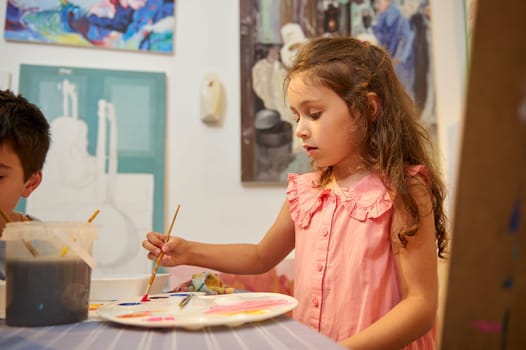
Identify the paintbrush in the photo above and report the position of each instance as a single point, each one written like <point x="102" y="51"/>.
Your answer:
<point x="185" y="300"/>
<point x="28" y="245"/>
<point x="93" y="216"/>
<point x="158" y="261"/>
<point x="65" y="249"/>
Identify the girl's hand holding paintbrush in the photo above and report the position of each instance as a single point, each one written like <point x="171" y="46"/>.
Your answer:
<point x="172" y="250"/>
<point x="239" y="258"/>
<point x="158" y="259"/>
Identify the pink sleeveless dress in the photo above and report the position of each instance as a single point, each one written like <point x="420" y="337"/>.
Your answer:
<point x="345" y="275"/>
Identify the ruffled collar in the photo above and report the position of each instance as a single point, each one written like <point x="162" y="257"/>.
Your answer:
<point x="366" y="199"/>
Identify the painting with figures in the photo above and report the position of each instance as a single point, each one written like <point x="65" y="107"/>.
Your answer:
<point x="272" y="30"/>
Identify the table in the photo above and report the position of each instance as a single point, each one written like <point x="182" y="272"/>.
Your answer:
<point x="277" y="333"/>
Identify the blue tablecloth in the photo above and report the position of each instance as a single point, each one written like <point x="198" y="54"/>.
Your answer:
<point x="277" y="333"/>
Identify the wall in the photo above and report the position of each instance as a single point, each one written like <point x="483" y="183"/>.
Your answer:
<point x="203" y="163"/>
<point x="450" y="64"/>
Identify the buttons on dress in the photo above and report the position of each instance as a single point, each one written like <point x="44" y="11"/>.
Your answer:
<point x="319" y="267"/>
<point x="315" y="301"/>
<point x="324" y="233"/>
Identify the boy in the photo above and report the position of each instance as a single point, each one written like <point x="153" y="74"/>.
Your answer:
<point x="24" y="142"/>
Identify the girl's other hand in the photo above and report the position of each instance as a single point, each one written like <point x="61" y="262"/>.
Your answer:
<point x="173" y="250"/>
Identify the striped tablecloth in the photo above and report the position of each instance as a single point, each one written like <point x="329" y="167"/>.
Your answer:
<point x="277" y="333"/>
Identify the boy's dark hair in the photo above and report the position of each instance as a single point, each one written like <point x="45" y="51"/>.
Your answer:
<point x="25" y="129"/>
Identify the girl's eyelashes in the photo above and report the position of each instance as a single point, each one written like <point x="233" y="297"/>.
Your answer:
<point x="295" y="116"/>
<point x="312" y="116"/>
<point x="315" y="115"/>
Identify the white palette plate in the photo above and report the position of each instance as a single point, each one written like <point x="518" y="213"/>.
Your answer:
<point x="201" y="311"/>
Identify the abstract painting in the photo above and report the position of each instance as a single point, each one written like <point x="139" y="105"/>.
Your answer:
<point x="146" y="25"/>
<point x="107" y="153"/>
<point x="272" y="30"/>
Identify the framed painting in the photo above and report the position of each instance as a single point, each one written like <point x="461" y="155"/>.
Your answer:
<point x="271" y="31"/>
<point x="146" y="25"/>
<point x="107" y="153"/>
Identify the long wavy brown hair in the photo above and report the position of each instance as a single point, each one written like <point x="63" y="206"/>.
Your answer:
<point x="393" y="138"/>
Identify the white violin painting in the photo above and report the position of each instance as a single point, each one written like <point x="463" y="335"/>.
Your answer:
<point x="77" y="182"/>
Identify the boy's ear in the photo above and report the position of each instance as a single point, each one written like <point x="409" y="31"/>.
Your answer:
<point x="32" y="183"/>
<point x="374" y="104"/>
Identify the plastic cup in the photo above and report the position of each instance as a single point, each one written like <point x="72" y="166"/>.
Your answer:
<point x="48" y="272"/>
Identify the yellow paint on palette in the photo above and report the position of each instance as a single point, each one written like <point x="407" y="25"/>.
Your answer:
<point x="63" y="251"/>
<point x="93" y="307"/>
<point x="245" y="312"/>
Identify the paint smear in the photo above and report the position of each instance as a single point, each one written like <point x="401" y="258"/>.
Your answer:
<point x="136" y="314"/>
<point x="508" y="284"/>
<point x="93" y="307"/>
<point x="487" y="327"/>
<point x="247" y="306"/>
<point x="130" y="303"/>
<point x="160" y="319"/>
<point x="515" y="218"/>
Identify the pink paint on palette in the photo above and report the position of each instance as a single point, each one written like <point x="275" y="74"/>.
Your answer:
<point x="160" y="319"/>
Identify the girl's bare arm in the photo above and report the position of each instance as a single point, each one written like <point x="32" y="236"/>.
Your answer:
<point x="238" y="258"/>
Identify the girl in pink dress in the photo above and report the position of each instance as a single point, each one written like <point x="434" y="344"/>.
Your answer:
<point x="368" y="224"/>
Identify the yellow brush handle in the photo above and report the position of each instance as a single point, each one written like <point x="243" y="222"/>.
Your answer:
<point x="64" y="250"/>
<point x="154" y="273"/>
<point x="158" y="261"/>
